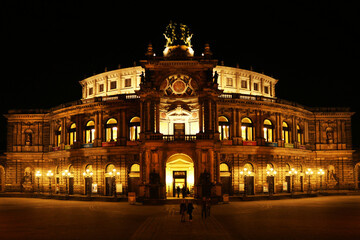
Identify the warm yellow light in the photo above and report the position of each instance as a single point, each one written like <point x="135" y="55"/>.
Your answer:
<point x="38" y="174"/>
<point x="321" y="172"/>
<point x="309" y="171"/>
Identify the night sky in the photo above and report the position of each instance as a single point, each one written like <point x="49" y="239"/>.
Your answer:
<point x="311" y="48"/>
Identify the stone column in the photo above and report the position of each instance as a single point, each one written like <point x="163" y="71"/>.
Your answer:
<point x="211" y="158"/>
<point x="157" y="116"/>
<point x="201" y="118"/>
<point x="216" y="117"/>
<point x="123" y="127"/>
<point x="210" y="115"/>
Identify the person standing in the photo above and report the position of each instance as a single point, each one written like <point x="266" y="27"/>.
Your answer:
<point x="203" y="208"/>
<point x="208" y="206"/>
<point x="183" y="191"/>
<point x="190" y="208"/>
<point x="182" y="210"/>
<point x="178" y="191"/>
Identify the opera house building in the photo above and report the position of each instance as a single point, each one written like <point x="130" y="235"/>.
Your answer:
<point x="178" y="120"/>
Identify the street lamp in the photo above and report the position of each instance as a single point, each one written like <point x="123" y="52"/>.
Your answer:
<point x="271" y="174"/>
<point x="66" y="175"/>
<point x="50" y="175"/>
<point x="88" y="179"/>
<point x="245" y="172"/>
<point x="321" y="173"/>
<point x="292" y="173"/>
<point x="309" y="172"/>
<point x="38" y="175"/>
<point x="113" y="175"/>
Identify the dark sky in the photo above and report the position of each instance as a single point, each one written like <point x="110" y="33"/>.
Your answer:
<point x="48" y="47"/>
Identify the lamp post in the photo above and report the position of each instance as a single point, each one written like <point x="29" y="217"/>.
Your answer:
<point x="88" y="176"/>
<point x="292" y="173"/>
<point x="271" y="174"/>
<point x="321" y="173"/>
<point x="50" y="175"/>
<point x="38" y="175"/>
<point x="245" y="172"/>
<point x="66" y="175"/>
<point x="309" y="172"/>
<point x="113" y="175"/>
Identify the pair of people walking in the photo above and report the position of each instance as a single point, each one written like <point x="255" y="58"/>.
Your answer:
<point x="186" y="207"/>
<point x="184" y="191"/>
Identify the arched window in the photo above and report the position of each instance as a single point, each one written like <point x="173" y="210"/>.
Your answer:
<point x="224" y="167"/>
<point x="90" y="132"/>
<point x="109" y="170"/>
<point x="111" y="130"/>
<point x="285" y="133"/>
<point x="72" y="134"/>
<point x="268" y="131"/>
<point x="58" y="137"/>
<point x="247" y="129"/>
<point x="224" y="170"/>
<point x="249" y="167"/>
<point x="134" y="130"/>
<point x="134" y="170"/>
<point x="224" y="128"/>
<point x="300" y="135"/>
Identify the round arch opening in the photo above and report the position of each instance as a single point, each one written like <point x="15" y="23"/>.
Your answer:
<point x="179" y="173"/>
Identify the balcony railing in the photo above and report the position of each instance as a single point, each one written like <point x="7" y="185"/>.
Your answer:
<point x="172" y="138"/>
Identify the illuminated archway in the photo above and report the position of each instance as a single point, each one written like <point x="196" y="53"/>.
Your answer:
<point x="179" y="172"/>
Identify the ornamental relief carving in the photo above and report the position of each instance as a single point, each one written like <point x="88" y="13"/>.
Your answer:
<point x="179" y="85"/>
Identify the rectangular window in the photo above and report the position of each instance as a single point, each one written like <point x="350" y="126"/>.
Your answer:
<point x="256" y="86"/>
<point x="113" y="85"/>
<point x="229" y="82"/>
<point x="266" y="90"/>
<point x="101" y="87"/>
<point x="243" y="84"/>
<point x="128" y="82"/>
<point x="91" y="91"/>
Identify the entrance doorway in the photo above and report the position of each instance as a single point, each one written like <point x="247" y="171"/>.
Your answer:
<point x="71" y="185"/>
<point x="2" y="179"/>
<point x="179" y="173"/>
<point x="179" y="182"/>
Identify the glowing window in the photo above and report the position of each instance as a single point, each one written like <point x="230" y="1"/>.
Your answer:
<point x="90" y="132"/>
<point x="135" y="168"/>
<point x="111" y="130"/>
<point x="285" y="133"/>
<point x="58" y="137"/>
<point x="224" y="167"/>
<point x="247" y="129"/>
<point x="300" y="134"/>
<point x="224" y="128"/>
<point x="268" y="130"/>
<point x="72" y="134"/>
<point x="134" y="129"/>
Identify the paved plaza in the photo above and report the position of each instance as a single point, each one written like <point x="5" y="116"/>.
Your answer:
<point x="312" y="218"/>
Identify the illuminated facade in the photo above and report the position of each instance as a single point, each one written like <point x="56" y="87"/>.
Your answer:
<point x="178" y="120"/>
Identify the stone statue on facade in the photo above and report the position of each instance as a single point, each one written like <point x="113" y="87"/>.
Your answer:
<point x="177" y="34"/>
<point x="216" y="76"/>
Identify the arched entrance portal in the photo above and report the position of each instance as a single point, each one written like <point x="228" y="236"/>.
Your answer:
<point x="179" y="173"/>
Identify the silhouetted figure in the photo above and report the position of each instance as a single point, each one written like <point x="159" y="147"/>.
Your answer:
<point x="183" y="191"/>
<point x="216" y="76"/>
<point x="190" y="208"/>
<point x="178" y="191"/>
<point x="203" y="208"/>
<point x="182" y="210"/>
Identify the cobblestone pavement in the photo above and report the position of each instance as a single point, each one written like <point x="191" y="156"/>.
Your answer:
<point x="313" y="218"/>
